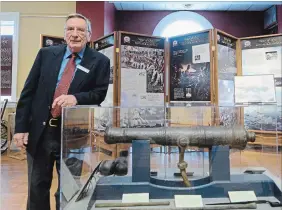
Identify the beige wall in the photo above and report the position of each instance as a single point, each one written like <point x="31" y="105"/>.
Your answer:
<point x="36" y="18"/>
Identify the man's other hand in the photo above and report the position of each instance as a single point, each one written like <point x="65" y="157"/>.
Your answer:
<point x="21" y="139"/>
<point x="65" y="101"/>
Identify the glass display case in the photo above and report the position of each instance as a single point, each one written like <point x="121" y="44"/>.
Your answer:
<point x="203" y="157"/>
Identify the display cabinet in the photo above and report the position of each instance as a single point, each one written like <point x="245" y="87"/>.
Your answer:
<point x="170" y="157"/>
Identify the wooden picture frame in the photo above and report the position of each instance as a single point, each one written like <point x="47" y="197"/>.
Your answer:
<point x="99" y="44"/>
<point x="51" y="40"/>
<point x="231" y="42"/>
<point x="158" y="41"/>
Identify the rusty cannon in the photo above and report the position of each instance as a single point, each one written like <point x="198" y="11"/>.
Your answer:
<point x="214" y="181"/>
<point x="201" y="136"/>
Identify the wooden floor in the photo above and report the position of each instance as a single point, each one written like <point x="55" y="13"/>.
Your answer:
<point x="14" y="172"/>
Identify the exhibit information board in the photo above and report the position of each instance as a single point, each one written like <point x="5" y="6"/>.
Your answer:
<point x="190" y="75"/>
<point x="261" y="56"/>
<point x="141" y="79"/>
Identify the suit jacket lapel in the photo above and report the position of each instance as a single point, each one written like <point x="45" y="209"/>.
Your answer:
<point x="87" y="62"/>
<point x="54" y="72"/>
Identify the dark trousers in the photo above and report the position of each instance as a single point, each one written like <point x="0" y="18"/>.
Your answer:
<point x="40" y="170"/>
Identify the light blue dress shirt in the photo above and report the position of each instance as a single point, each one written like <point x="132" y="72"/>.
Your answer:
<point x="66" y="59"/>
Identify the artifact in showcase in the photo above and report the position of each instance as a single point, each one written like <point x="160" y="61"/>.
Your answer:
<point x="118" y="167"/>
<point x="200" y="136"/>
<point x="220" y="179"/>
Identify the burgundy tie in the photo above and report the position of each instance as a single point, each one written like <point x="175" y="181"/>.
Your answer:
<point x="64" y="84"/>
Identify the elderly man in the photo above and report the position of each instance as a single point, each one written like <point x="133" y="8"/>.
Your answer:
<point x="61" y="76"/>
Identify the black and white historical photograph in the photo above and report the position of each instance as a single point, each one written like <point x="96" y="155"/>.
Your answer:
<point x="150" y="60"/>
<point x="265" y="118"/>
<point x="271" y="55"/>
<point x="226" y="60"/>
<point x="48" y="41"/>
<point x="226" y="54"/>
<point x="229" y="116"/>
<point x="103" y="118"/>
<point x="226" y="92"/>
<point x="278" y="81"/>
<point x="255" y="89"/>
<point x="6" y="64"/>
<point x="144" y="117"/>
<point x="189" y="82"/>
<point x="190" y="68"/>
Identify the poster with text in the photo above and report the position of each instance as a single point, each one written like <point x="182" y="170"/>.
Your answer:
<point x="262" y="56"/>
<point x="6" y="64"/>
<point x="106" y="46"/>
<point x="142" y="79"/>
<point x="189" y="74"/>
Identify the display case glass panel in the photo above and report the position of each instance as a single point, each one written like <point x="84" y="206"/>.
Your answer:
<point x="150" y="157"/>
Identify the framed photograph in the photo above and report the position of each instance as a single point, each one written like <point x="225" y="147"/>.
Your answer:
<point x="6" y="65"/>
<point x="48" y="40"/>
<point x="255" y="89"/>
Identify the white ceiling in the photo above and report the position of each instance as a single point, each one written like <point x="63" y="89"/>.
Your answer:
<point x="204" y="6"/>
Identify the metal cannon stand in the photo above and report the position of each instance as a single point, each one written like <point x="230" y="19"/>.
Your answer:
<point x="215" y="185"/>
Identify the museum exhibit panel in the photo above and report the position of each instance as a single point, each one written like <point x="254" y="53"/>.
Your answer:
<point x="197" y="146"/>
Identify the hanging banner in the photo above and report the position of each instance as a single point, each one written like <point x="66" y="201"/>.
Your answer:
<point x="6" y="64"/>
<point x="190" y="76"/>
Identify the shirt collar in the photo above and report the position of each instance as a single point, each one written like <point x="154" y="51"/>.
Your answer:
<point x="68" y="53"/>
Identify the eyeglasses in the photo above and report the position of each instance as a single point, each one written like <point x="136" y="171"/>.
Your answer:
<point x="80" y="31"/>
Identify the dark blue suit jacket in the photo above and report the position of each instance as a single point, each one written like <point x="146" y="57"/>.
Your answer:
<point x="34" y="105"/>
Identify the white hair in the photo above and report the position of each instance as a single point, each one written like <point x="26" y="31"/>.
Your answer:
<point x="77" y="15"/>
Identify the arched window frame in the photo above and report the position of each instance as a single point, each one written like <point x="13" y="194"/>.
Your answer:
<point x="168" y="20"/>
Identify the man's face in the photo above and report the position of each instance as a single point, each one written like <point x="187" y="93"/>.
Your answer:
<point x="76" y="34"/>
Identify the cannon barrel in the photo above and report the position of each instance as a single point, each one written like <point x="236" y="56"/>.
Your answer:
<point x="199" y="136"/>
